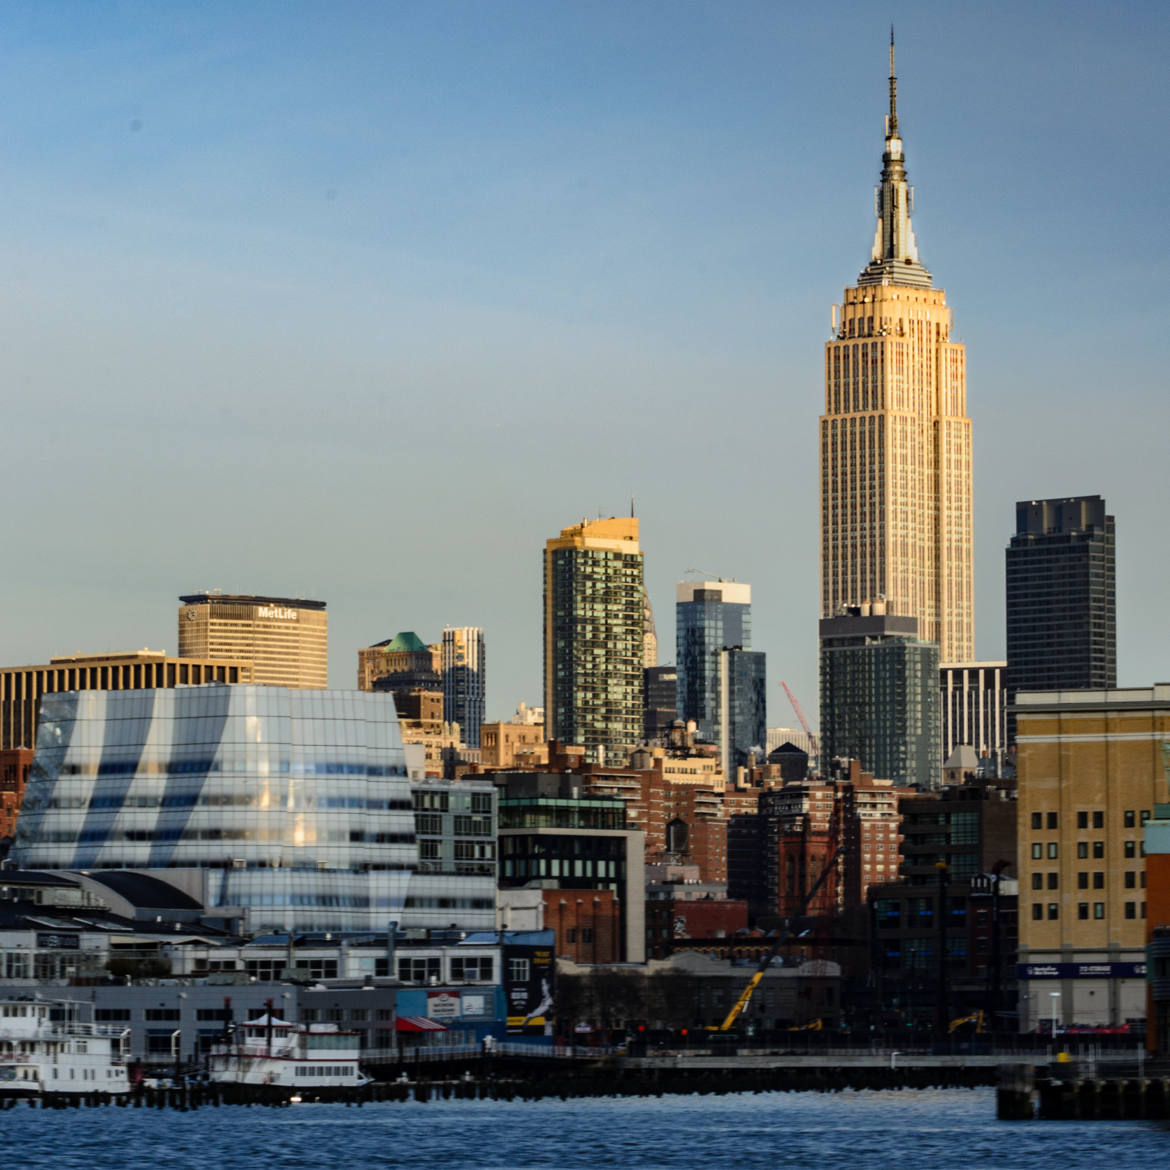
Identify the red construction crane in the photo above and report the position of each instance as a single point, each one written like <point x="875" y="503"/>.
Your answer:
<point x="812" y="739"/>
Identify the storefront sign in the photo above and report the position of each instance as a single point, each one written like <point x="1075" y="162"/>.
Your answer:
<point x="442" y="1005"/>
<point x="59" y="942"/>
<point x="1081" y="970"/>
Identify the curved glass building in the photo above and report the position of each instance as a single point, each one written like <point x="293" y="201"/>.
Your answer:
<point x="294" y="805"/>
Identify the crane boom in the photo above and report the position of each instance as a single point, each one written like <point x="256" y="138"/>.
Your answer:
<point x="786" y="937"/>
<point x="812" y="739"/>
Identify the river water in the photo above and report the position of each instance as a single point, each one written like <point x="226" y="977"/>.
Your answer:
<point x="909" y="1130"/>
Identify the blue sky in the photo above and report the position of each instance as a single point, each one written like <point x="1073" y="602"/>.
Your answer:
<point x="363" y="301"/>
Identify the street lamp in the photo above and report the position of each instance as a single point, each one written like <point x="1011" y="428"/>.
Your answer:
<point x="1055" y="997"/>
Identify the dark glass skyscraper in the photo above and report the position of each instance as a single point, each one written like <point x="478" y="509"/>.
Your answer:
<point x="743" y="717"/>
<point x="1061" y="598"/>
<point x="713" y="617"/>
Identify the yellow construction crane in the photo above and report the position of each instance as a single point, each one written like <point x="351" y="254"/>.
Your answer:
<point x="781" y="940"/>
<point x="975" y="1018"/>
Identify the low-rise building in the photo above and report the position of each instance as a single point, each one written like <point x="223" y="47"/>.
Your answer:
<point x="1090" y="774"/>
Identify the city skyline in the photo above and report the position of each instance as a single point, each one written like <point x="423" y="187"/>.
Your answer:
<point x="258" y="259"/>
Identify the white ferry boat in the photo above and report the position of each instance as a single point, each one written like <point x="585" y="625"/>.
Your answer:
<point x="46" y="1046"/>
<point x="272" y="1051"/>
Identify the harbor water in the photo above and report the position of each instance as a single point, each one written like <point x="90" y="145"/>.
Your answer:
<point x="912" y="1130"/>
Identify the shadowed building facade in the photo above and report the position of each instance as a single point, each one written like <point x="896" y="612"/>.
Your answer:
<point x="880" y="697"/>
<point x="895" y="439"/>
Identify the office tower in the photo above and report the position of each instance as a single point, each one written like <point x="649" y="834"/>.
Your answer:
<point x="463" y="667"/>
<point x="974" y="712"/>
<point x="743" y="721"/>
<point x="594" y="628"/>
<point x="1089" y="774"/>
<point x="406" y="654"/>
<point x="285" y="638"/>
<point x="710" y="616"/>
<point x="880" y="696"/>
<point x="1061" y="598"/>
<point x="23" y="687"/>
<point x="287" y="806"/>
<point x="895" y="440"/>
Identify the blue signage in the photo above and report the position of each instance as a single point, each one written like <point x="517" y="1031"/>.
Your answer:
<point x="1081" y="970"/>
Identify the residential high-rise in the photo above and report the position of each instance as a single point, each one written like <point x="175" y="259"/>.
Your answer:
<point x="285" y="638"/>
<point x="594" y="627"/>
<point x="1061" y="598"/>
<point x="895" y="439"/>
<point x="463" y="667"/>
<point x="880" y="696"/>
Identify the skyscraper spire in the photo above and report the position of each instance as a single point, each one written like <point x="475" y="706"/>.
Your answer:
<point x="892" y="124"/>
<point x="894" y="259"/>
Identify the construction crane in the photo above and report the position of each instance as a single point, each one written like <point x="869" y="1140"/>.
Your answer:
<point x="781" y="940"/>
<point x="975" y="1018"/>
<point x="812" y="739"/>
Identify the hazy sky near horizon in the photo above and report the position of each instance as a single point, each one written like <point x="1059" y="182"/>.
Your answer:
<point x="363" y="301"/>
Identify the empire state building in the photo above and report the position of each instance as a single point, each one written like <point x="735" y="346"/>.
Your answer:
<point x="895" y="456"/>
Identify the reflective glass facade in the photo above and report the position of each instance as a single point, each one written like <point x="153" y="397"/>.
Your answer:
<point x="295" y="803"/>
<point x="710" y="616"/>
<point x="743" y="682"/>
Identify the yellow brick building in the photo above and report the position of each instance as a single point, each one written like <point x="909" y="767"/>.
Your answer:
<point x="1090" y="771"/>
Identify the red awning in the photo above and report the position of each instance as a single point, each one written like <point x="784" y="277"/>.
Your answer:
<point x="419" y="1024"/>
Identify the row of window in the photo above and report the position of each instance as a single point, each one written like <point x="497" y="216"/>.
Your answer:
<point x="1132" y="879"/>
<point x="1051" y="850"/>
<point x="1051" y="820"/>
<point x="1053" y="910"/>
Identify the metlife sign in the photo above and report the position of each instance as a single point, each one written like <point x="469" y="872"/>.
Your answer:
<point x="278" y="612"/>
<point x="1080" y="970"/>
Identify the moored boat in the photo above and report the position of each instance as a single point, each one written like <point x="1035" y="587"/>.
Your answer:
<point x="49" y="1046"/>
<point x="270" y="1051"/>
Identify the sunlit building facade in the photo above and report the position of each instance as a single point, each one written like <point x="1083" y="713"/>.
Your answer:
<point x="594" y="637"/>
<point x="285" y="638"/>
